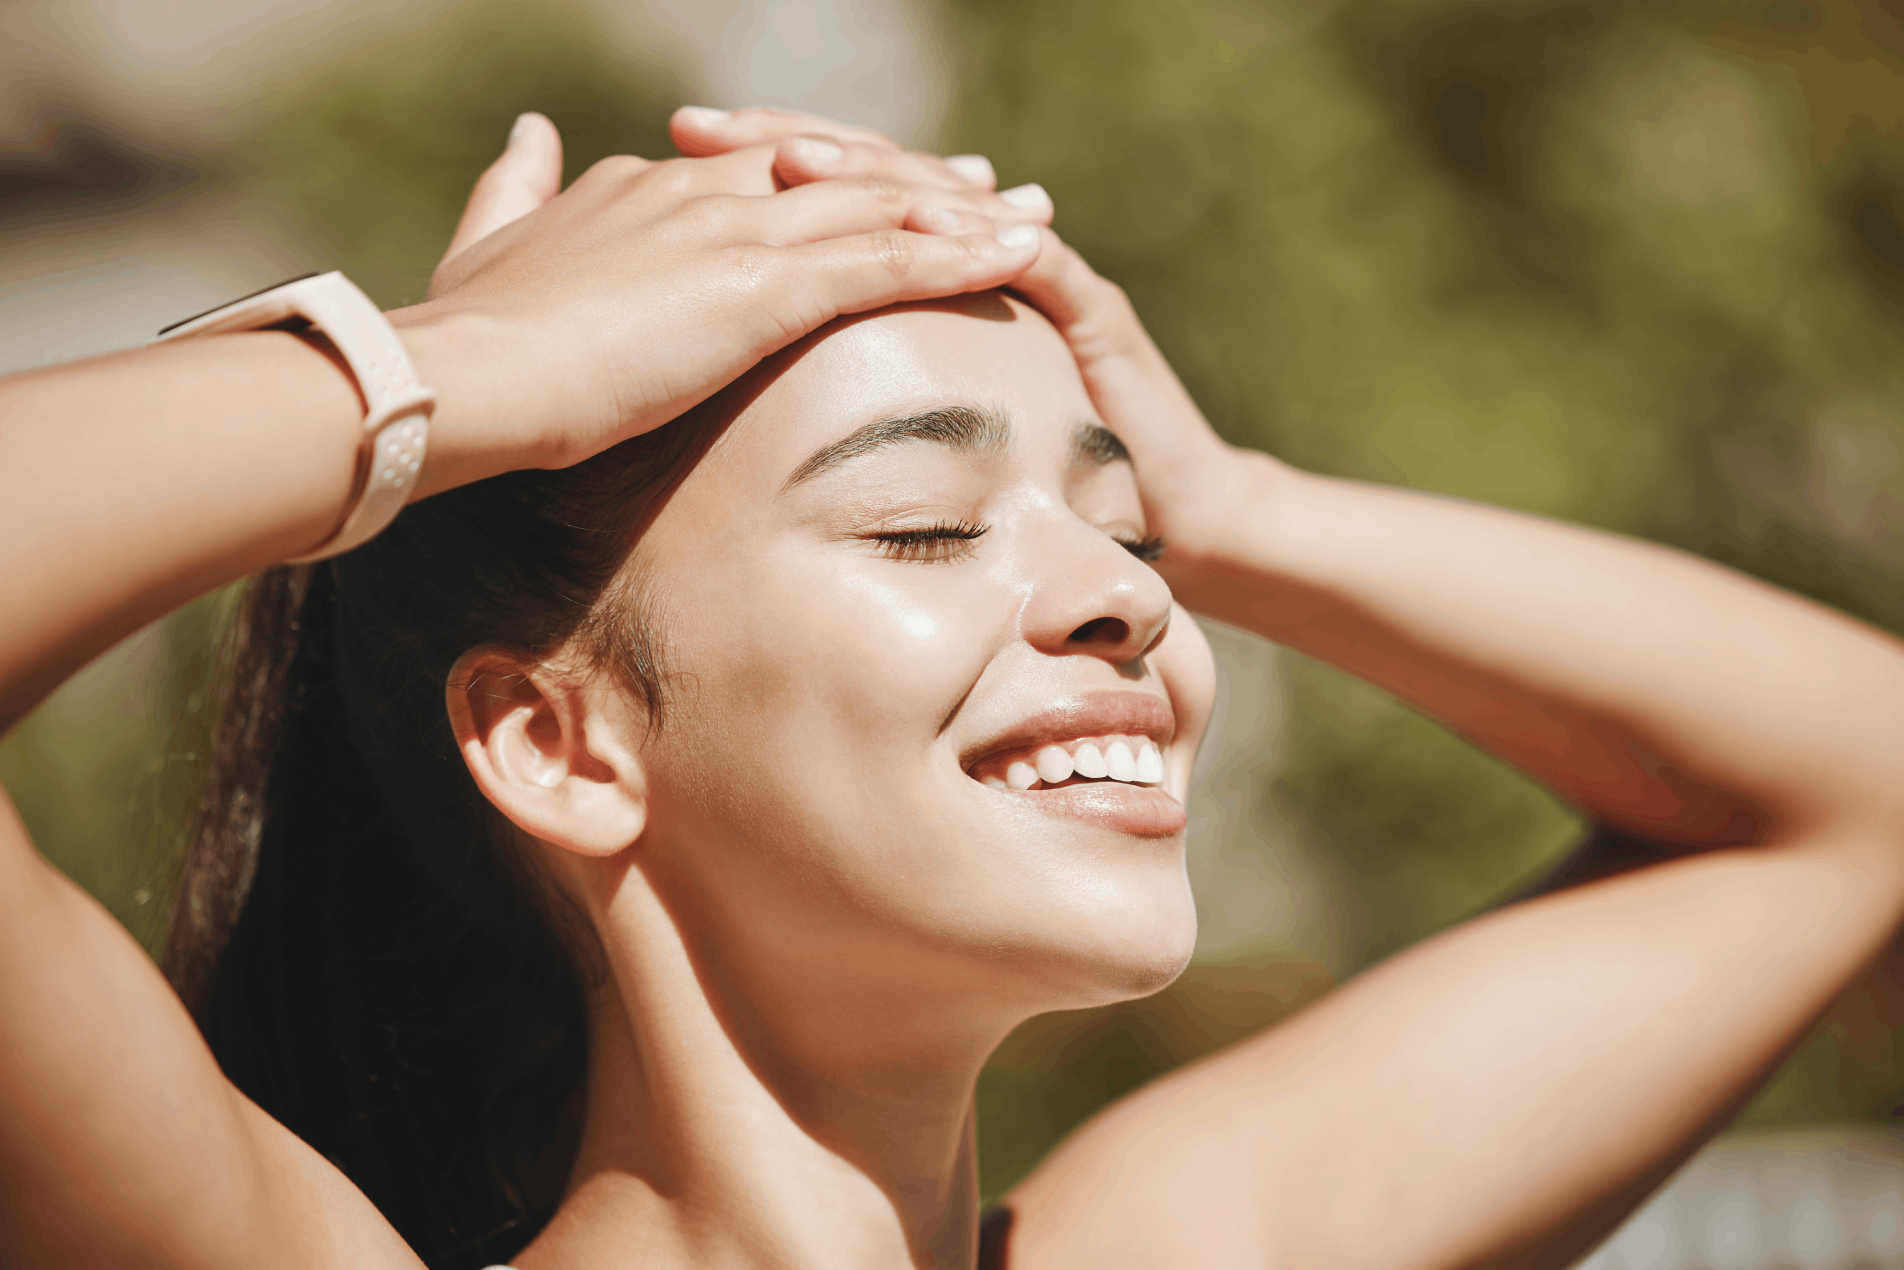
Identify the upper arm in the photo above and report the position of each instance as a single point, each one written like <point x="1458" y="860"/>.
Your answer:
<point x="121" y="1142"/>
<point x="1509" y="1089"/>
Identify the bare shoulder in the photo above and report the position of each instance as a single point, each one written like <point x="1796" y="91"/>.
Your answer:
<point x="333" y="1222"/>
<point x="121" y="1141"/>
<point x="1180" y="1172"/>
<point x="1464" y="1090"/>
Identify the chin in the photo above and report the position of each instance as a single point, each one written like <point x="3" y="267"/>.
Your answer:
<point x="1155" y="964"/>
<point x="1122" y="955"/>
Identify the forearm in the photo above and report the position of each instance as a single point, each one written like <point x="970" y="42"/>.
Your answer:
<point x="131" y="483"/>
<point x="1652" y="689"/>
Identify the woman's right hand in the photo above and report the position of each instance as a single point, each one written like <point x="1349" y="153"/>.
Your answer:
<point x="560" y="324"/>
<point x="1193" y="484"/>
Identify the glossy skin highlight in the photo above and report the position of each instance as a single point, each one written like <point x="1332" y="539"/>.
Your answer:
<point x="834" y="689"/>
<point x="815" y="920"/>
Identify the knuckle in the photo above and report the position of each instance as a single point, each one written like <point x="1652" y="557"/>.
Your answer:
<point x="711" y="215"/>
<point x="752" y="264"/>
<point x="616" y="169"/>
<point x="896" y="251"/>
<point x="883" y="189"/>
<point x="679" y="174"/>
<point x="670" y="176"/>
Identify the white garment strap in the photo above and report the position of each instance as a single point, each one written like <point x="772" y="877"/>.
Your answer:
<point x="397" y="427"/>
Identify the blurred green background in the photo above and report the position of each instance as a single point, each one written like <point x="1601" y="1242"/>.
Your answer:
<point x="1635" y="264"/>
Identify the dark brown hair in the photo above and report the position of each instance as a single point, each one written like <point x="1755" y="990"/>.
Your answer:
<point x="368" y="957"/>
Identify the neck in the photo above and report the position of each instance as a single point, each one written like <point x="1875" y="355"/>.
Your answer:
<point x="760" y="1120"/>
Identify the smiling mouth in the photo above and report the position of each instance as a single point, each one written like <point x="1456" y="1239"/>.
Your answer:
<point x="1129" y="760"/>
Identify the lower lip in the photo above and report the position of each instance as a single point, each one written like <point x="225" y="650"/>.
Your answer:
<point x="1143" y="811"/>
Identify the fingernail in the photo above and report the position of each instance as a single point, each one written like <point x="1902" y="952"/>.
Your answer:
<point x="706" y="116"/>
<point x="519" y="129"/>
<point x="1028" y="196"/>
<point x="975" y="168"/>
<point x="1018" y="237"/>
<point x="814" y="150"/>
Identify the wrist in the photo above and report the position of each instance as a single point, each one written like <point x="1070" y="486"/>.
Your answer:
<point x="1208" y="509"/>
<point x="486" y="420"/>
<point x="1221" y="549"/>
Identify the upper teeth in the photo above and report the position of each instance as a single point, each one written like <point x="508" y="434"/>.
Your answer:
<point x="1053" y="765"/>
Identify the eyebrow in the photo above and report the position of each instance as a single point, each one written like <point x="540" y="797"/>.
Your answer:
<point x="969" y="428"/>
<point x="1095" y="444"/>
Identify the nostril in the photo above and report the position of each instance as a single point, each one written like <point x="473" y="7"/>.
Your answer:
<point x="1102" y="630"/>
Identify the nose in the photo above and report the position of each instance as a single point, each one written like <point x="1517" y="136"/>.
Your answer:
<point x="1095" y="598"/>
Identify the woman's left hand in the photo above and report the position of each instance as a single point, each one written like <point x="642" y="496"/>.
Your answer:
<point x="1191" y="480"/>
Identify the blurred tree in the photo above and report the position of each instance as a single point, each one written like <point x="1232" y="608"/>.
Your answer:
<point x="1632" y="263"/>
<point x="373" y="159"/>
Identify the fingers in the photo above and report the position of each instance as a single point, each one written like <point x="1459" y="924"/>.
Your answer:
<point x="802" y="160"/>
<point x="869" y="271"/>
<point x="1091" y="312"/>
<point x="745" y="171"/>
<point x="1065" y="289"/>
<point x="702" y="130"/>
<point x="526" y="175"/>
<point x="937" y="218"/>
<point x="975" y="168"/>
<point x="1054" y="281"/>
<point x="806" y="157"/>
<point x="837" y="209"/>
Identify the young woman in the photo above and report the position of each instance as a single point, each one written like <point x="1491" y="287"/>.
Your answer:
<point x="635" y="851"/>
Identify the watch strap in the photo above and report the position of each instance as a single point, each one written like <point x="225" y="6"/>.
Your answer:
<point x="397" y="422"/>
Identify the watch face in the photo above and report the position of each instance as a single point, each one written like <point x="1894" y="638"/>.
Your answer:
<point x="240" y="300"/>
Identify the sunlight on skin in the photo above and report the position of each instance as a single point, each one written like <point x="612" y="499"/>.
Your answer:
<point x="827" y="922"/>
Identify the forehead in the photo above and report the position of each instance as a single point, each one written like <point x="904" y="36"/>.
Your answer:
<point x="986" y="351"/>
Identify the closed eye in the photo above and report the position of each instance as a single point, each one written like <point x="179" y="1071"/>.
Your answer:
<point x="1149" y="550"/>
<point x="935" y="544"/>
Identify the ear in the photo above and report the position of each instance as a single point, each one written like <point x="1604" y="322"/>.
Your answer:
<point x="553" y="752"/>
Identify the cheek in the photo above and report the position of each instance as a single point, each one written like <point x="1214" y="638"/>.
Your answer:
<point x="884" y="650"/>
<point x="802" y="776"/>
<point x="840" y="665"/>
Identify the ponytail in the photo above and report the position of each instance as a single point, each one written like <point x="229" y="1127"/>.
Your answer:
<point x="366" y="952"/>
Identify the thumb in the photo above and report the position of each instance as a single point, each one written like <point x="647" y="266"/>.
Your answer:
<point x="526" y="175"/>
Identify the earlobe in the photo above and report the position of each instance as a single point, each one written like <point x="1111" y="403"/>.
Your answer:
<point x="547" y="751"/>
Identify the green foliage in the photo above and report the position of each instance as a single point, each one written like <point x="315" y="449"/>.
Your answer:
<point x="373" y="159"/>
<point x="105" y="774"/>
<point x="1637" y="264"/>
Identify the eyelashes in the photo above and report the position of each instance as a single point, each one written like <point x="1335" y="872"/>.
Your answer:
<point x="937" y="544"/>
<point x="1149" y="550"/>
<point x="934" y="544"/>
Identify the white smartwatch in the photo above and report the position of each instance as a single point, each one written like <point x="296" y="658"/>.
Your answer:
<point x="397" y="429"/>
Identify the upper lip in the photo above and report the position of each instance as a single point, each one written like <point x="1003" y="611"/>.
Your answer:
<point x="1088" y="714"/>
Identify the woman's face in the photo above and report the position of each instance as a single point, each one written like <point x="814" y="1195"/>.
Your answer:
<point x="899" y="587"/>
